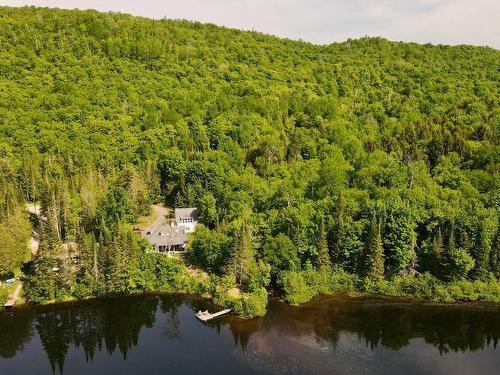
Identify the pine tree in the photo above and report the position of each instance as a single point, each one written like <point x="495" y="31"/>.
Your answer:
<point x="324" y="261"/>
<point x="495" y="253"/>
<point x="42" y="281"/>
<point x="339" y="231"/>
<point x="451" y="239"/>
<point x="375" y="253"/>
<point x="437" y="254"/>
<point x="49" y="241"/>
<point x="242" y="256"/>
<point x="179" y="200"/>
<point x="458" y="262"/>
<point x="447" y="259"/>
<point x="483" y="252"/>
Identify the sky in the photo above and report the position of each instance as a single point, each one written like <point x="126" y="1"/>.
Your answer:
<point x="475" y="22"/>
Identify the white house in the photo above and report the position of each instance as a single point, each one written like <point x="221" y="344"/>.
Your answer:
<point x="186" y="218"/>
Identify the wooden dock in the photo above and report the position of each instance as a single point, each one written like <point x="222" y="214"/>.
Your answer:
<point x="11" y="302"/>
<point x="205" y="315"/>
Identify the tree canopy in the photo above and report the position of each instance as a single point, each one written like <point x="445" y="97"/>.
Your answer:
<point x="379" y="157"/>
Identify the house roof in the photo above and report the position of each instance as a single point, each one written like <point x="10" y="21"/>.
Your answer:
<point x="165" y="235"/>
<point x="185" y="213"/>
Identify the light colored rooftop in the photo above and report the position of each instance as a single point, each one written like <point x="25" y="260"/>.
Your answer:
<point x="166" y="235"/>
<point x="185" y="213"/>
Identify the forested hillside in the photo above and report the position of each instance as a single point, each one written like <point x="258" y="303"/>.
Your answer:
<point x="366" y="160"/>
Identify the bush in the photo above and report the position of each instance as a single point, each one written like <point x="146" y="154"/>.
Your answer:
<point x="247" y="305"/>
<point x="219" y="287"/>
<point x="428" y="287"/>
<point x="295" y="289"/>
<point x="252" y="305"/>
<point x="196" y="285"/>
<point x="300" y="286"/>
<point x="342" y="281"/>
<point x="169" y="274"/>
<point x="465" y="290"/>
<point x="461" y="263"/>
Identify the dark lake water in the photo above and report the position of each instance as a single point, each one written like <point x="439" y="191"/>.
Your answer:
<point x="336" y="334"/>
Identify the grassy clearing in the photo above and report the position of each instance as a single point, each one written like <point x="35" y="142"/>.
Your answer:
<point x="147" y="221"/>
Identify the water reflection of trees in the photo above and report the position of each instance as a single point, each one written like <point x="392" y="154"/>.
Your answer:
<point x="448" y="328"/>
<point x="169" y="306"/>
<point x="115" y="325"/>
<point x="91" y="327"/>
<point x="14" y="334"/>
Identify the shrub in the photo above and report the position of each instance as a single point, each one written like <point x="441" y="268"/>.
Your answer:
<point x="219" y="288"/>
<point x="342" y="281"/>
<point x="253" y="304"/>
<point x="295" y="288"/>
<point x="300" y="286"/>
<point x="169" y="274"/>
<point x="460" y="263"/>
<point x="196" y="285"/>
<point x="380" y="287"/>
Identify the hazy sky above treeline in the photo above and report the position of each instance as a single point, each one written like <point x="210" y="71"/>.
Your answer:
<point x="474" y="22"/>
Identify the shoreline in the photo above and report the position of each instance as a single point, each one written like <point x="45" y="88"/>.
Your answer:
<point x="320" y="298"/>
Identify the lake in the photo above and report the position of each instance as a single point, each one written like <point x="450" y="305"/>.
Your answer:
<point x="158" y="334"/>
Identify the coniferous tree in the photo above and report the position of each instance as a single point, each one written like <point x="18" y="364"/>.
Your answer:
<point x="179" y="200"/>
<point x="458" y="262"/>
<point x="339" y="231"/>
<point x="42" y="283"/>
<point x="375" y="253"/>
<point x="324" y="261"/>
<point x="450" y="252"/>
<point x="483" y="251"/>
<point x="242" y="255"/>
<point x="495" y="253"/>
<point x="437" y="254"/>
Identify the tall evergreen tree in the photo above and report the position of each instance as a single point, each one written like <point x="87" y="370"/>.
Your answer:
<point x="437" y="254"/>
<point x="179" y="200"/>
<point x="242" y="256"/>
<point x="339" y="230"/>
<point x="375" y="253"/>
<point x="324" y="261"/>
<point x="458" y="262"/>
<point x="483" y="251"/>
<point x="495" y="253"/>
<point x="449" y="252"/>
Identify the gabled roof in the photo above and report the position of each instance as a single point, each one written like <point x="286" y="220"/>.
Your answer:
<point x="185" y="213"/>
<point x="165" y="235"/>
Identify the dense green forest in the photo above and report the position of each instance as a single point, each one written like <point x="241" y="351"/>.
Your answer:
<point x="366" y="165"/>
